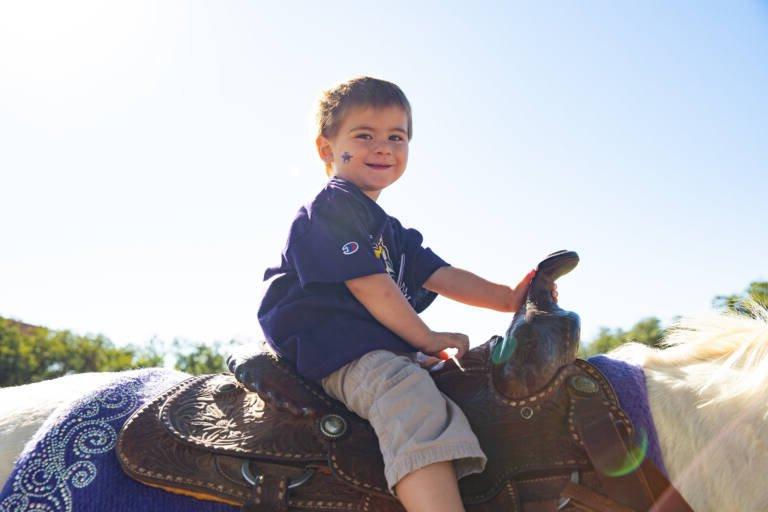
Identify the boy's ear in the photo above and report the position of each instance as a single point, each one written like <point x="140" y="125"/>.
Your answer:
<point x="324" y="149"/>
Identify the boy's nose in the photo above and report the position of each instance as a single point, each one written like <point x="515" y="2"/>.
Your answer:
<point x="383" y="148"/>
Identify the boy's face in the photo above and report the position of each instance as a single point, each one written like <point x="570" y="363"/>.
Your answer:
<point x="370" y="148"/>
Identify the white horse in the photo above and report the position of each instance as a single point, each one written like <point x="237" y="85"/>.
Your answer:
<point x="708" y="392"/>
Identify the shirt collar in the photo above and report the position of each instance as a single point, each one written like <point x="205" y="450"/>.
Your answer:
<point x="379" y="215"/>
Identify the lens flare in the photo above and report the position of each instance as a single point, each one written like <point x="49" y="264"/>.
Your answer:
<point x="635" y="456"/>
<point x="503" y="350"/>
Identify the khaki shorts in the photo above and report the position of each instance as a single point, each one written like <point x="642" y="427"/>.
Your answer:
<point x="416" y="424"/>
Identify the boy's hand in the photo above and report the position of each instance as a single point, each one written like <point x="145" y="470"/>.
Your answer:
<point x="439" y="341"/>
<point x="521" y="290"/>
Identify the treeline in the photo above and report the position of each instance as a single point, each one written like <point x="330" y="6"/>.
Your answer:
<point x="649" y="331"/>
<point x="30" y="353"/>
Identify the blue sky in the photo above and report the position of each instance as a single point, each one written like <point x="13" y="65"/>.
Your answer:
<point x="152" y="155"/>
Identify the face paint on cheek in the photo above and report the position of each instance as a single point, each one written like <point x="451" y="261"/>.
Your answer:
<point x="346" y="157"/>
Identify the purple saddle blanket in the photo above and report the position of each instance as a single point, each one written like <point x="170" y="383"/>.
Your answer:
<point x="628" y="381"/>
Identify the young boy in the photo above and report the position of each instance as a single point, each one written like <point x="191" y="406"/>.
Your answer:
<point x="343" y="304"/>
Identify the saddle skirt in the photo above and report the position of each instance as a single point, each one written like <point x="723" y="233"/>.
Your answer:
<point x="273" y="441"/>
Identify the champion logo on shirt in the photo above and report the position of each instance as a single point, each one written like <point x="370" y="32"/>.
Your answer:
<point x="350" y="248"/>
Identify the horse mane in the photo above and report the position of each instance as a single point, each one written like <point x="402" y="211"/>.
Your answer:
<point x="726" y="353"/>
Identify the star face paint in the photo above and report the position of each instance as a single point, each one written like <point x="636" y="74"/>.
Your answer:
<point x="346" y="157"/>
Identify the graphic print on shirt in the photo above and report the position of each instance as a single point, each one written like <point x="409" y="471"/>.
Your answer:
<point x="381" y="252"/>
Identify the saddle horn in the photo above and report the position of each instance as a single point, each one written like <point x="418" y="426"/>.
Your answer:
<point x="542" y="337"/>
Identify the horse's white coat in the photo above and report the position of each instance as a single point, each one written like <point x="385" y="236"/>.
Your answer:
<point x="708" y="392"/>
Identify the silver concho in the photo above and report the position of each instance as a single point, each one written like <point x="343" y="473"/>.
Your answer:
<point x="333" y="426"/>
<point x="583" y="384"/>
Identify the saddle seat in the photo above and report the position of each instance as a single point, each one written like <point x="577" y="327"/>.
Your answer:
<point x="265" y="439"/>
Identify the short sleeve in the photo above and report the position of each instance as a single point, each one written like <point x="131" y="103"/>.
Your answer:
<point x="422" y="263"/>
<point x="333" y="245"/>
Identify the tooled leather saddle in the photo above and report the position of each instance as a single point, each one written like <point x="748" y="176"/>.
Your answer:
<point x="264" y="439"/>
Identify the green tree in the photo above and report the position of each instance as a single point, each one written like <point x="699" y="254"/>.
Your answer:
<point x="200" y="358"/>
<point x="647" y="331"/>
<point x="756" y="291"/>
<point x="151" y="355"/>
<point x="29" y="353"/>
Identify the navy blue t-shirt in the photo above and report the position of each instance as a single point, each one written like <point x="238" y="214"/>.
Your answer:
<point x="308" y="315"/>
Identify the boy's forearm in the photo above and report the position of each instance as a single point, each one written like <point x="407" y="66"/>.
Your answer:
<point x="468" y="288"/>
<point x="384" y="300"/>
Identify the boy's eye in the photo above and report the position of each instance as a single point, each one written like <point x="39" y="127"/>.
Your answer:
<point x="396" y="138"/>
<point x="364" y="136"/>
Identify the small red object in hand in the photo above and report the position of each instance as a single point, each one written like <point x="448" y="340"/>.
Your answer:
<point x="450" y="353"/>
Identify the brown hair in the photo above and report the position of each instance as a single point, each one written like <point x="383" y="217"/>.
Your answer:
<point x="363" y="91"/>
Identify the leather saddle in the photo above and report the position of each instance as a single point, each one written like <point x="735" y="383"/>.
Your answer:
<point x="264" y="439"/>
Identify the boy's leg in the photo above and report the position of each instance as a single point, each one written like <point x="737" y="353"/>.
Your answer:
<point x="431" y="488"/>
<point x="420" y="430"/>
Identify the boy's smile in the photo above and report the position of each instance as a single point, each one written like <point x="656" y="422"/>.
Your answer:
<point x="370" y="148"/>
